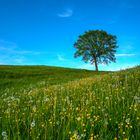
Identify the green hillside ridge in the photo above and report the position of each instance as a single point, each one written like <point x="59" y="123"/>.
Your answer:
<point x="22" y="76"/>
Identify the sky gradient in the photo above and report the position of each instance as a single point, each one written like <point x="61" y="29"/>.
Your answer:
<point x="42" y="32"/>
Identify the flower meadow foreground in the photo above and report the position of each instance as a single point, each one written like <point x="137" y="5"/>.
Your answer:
<point x="105" y="107"/>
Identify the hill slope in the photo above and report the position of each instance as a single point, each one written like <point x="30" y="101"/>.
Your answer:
<point x="22" y="76"/>
<point x="105" y="107"/>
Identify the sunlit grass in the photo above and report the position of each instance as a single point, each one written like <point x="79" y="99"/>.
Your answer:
<point x="103" y="107"/>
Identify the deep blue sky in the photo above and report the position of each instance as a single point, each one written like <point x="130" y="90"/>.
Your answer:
<point x="42" y="32"/>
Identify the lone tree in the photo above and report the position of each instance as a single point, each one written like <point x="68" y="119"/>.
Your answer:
<point x="96" y="47"/>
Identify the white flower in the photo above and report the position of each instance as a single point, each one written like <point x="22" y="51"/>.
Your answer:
<point x="5" y="136"/>
<point x="4" y="133"/>
<point x="127" y="120"/>
<point x="46" y="99"/>
<point x="137" y="99"/>
<point x="83" y="135"/>
<point x="33" y="123"/>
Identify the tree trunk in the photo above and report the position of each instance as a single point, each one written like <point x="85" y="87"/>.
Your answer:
<point x="96" y="66"/>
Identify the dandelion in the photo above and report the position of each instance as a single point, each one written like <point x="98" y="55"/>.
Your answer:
<point x="4" y="135"/>
<point x="127" y="120"/>
<point x="83" y="135"/>
<point x="33" y="124"/>
<point x="46" y="99"/>
<point x="137" y="99"/>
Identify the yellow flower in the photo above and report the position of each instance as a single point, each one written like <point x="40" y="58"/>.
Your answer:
<point x="83" y="124"/>
<point x="84" y="130"/>
<point x="126" y="126"/>
<point x="77" y="108"/>
<point x="91" y="138"/>
<point x="74" y="136"/>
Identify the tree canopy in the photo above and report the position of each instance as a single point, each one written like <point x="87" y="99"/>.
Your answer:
<point x="96" y="47"/>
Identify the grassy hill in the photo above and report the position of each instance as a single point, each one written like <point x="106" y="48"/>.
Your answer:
<point x="23" y="76"/>
<point x="69" y="104"/>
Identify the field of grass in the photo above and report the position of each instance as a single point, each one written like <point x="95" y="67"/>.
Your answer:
<point x="49" y="103"/>
<point x="16" y="77"/>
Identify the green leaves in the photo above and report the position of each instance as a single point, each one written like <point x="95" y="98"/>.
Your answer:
<point x="96" y="46"/>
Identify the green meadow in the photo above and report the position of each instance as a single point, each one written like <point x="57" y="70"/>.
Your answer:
<point x="53" y="103"/>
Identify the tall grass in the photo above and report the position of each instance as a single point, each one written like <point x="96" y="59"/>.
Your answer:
<point x="103" y="107"/>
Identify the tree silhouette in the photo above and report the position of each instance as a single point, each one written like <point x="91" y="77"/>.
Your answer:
<point x="96" y="47"/>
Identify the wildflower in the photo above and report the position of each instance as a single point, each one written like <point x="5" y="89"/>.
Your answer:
<point x="43" y="125"/>
<point x="127" y="120"/>
<point x="126" y="126"/>
<point x="69" y="132"/>
<point x="107" y="98"/>
<point x="4" y="135"/>
<point x="83" y="135"/>
<point x="77" y="108"/>
<point x="121" y="123"/>
<point x="83" y="125"/>
<point x="33" y="124"/>
<point x="46" y="99"/>
<point x="91" y="138"/>
<point x="84" y="130"/>
<point x="74" y="136"/>
<point x="34" y="108"/>
<point x="137" y="99"/>
<point x="95" y="137"/>
<point x="123" y="133"/>
<point x="78" y="119"/>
